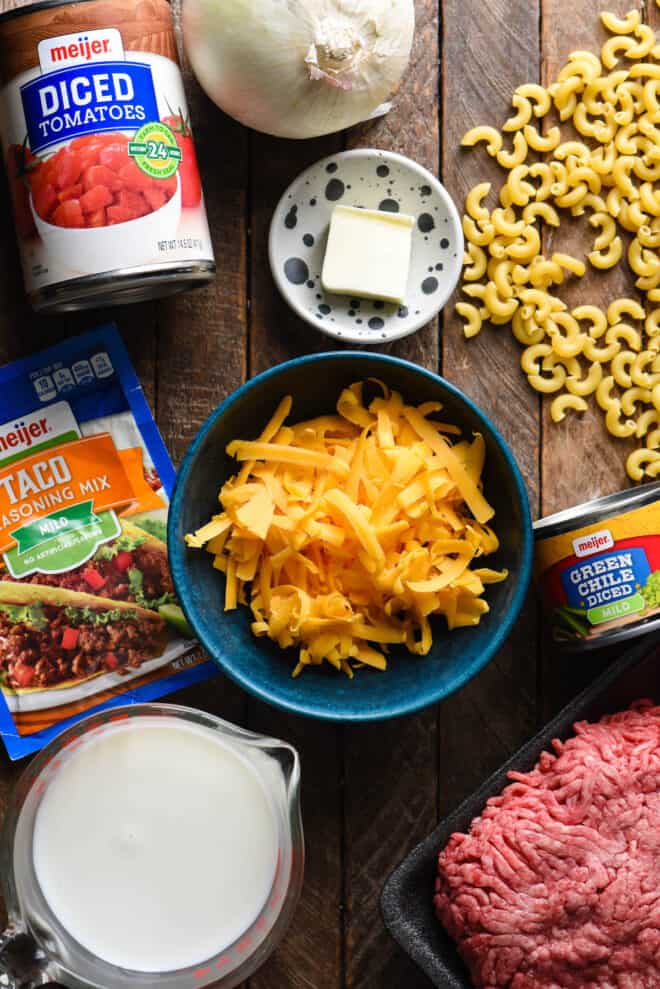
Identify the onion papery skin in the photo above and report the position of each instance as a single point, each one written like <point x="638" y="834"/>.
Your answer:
<point x="298" y="68"/>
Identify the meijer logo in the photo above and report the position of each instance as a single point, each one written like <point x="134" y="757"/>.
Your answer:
<point x="77" y="49"/>
<point x="594" y="543"/>
<point x="19" y="435"/>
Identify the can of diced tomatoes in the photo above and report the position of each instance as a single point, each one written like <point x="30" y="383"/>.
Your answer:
<point x="598" y="568"/>
<point x="99" y="155"/>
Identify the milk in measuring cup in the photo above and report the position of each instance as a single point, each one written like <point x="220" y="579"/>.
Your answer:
<point x="155" y="844"/>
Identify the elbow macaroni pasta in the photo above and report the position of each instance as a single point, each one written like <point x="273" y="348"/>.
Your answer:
<point x="562" y="403"/>
<point x="609" y="167"/>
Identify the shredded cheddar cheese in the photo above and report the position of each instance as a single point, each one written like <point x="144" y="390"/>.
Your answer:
<point x="352" y="529"/>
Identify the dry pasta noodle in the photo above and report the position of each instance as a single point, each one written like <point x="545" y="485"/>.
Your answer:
<point x="607" y="171"/>
<point x="351" y="530"/>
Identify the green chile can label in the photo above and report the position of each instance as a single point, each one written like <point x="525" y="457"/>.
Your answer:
<point x="596" y="579"/>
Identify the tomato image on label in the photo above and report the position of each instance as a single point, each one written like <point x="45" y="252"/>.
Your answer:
<point x="191" y="184"/>
<point x="94" y="182"/>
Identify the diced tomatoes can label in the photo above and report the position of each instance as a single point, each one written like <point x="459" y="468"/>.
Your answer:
<point x="99" y="154"/>
<point x="598" y="568"/>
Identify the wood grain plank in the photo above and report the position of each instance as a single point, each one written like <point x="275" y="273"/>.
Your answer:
<point x="488" y="50"/>
<point x="9" y="773"/>
<point x="200" y="356"/>
<point x="201" y="350"/>
<point x="390" y="805"/>
<point x="580" y="459"/>
<point x="390" y="789"/>
<point x="276" y="333"/>
<point x="21" y="330"/>
<point x="202" y="334"/>
<point x="138" y="325"/>
<point x="310" y="955"/>
<point x="203" y="341"/>
<point x="412" y="128"/>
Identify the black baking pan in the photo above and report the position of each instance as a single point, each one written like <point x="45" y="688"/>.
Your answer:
<point x="407" y="898"/>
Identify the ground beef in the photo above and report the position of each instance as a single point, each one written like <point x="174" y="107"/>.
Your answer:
<point x="155" y="570"/>
<point x="150" y="561"/>
<point x="31" y="657"/>
<point x="557" y="884"/>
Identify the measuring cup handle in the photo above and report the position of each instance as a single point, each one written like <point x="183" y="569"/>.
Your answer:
<point x="22" y="963"/>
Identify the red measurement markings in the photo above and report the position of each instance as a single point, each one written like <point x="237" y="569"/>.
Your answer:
<point x="275" y="901"/>
<point x="244" y="944"/>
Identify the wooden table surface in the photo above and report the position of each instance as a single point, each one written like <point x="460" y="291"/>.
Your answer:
<point x="371" y="793"/>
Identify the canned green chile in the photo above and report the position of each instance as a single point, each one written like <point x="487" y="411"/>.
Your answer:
<point x="598" y="568"/>
<point x="101" y="164"/>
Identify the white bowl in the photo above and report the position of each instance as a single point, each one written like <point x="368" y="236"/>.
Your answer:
<point x="117" y="246"/>
<point x="373" y="179"/>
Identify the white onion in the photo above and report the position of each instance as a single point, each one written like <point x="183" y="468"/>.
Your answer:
<point x="298" y="68"/>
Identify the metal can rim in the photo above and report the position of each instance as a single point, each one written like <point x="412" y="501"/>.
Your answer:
<point x="109" y="287"/>
<point x="590" y="512"/>
<point x="630" y="631"/>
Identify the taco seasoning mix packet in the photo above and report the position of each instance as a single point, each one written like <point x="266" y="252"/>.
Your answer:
<point x="88" y="617"/>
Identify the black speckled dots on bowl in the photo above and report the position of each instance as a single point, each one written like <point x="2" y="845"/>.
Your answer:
<point x="372" y="180"/>
<point x="296" y="271"/>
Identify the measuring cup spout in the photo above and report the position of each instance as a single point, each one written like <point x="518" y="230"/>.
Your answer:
<point x="288" y="761"/>
<point x="290" y="764"/>
<point x="22" y="963"/>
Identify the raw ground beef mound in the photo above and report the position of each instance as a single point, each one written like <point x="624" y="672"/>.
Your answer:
<point x="557" y="885"/>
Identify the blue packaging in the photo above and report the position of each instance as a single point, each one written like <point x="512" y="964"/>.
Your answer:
<point x="88" y="616"/>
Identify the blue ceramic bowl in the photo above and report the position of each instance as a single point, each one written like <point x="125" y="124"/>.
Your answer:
<point x="258" y="665"/>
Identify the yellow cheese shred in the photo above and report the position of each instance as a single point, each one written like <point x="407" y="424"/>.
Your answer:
<point x="348" y="532"/>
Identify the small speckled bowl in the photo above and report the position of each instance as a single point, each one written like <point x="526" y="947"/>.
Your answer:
<point x="375" y="180"/>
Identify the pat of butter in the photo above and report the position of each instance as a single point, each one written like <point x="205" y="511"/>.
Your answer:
<point x="368" y="254"/>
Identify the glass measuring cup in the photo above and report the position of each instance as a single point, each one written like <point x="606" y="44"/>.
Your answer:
<point x="36" y="949"/>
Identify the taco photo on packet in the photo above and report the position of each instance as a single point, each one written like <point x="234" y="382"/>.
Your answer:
<point x="52" y="637"/>
<point x="133" y="567"/>
<point x="88" y="614"/>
